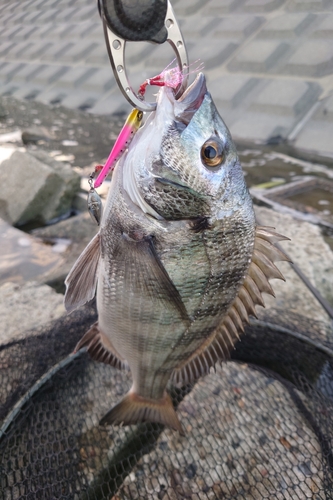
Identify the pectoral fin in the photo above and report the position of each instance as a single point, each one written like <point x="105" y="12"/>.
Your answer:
<point x="143" y="270"/>
<point x="82" y="279"/>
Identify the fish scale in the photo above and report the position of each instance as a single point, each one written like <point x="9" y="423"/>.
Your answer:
<point x="179" y="263"/>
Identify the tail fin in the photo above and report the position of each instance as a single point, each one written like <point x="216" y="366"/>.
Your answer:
<point x="134" y="409"/>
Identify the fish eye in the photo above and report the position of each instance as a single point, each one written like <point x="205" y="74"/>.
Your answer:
<point x="139" y="115"/>
<point x="211" y="153"/>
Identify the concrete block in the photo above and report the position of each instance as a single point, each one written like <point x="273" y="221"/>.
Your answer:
<point x="52" y="96"/>
<point x="45" y="190"/>
<point x="229" y="91"/>
<point x="260" y="127"/>
<point x="259" y="56"/>
<point x="114" y="103"/>
<point x="218" y="7"/>
<point x="325" y="28"/>
<point x="316" y="137"/>
<point x="306" y="5"/>
<point x="193" y="27"/>
<point x="5" y="47"/>
<point x="262" y="5"/>
<point x="189" y="7"/>
<point x="212" y="55"/>
<point x="312" y="58"/>
<point x="136" y="52"/>
<point x="79" y="51"/>
<point x="46" y="16"/>
<point x="56" y="50"/>
<point x="27" y="91"/>
<point x="100" y="80"/>
<point x="10" y="70"/>
<point x="51" y="32"/>
<point x="325" y="111"/>
<point x="79" y="99"/>
<point x="18" y="50"/>
<point x="66" y="14"/>
<point x="33" y="50"/>
<point x="286" y="97"/>
<point x="8" y="33"/>
<point x="49" y="74"/>
<point x="287" y="25"/>
<point x="27" y="72"/>
<point x="88" y="12"/>
<point x="98" y="56"/>
<point x="24" y="18"/>
<point x="74" y="77"/>
<point x="242" y="25"/>
<point x="24" y="32"/>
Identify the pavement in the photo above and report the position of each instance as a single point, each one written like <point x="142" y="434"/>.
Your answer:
<point x="269" y="63"/>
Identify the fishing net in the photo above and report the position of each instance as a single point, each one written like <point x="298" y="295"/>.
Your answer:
<point x="261" y="426"/>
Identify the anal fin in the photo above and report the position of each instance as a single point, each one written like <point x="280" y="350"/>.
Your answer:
<point x="82" y="279"/>
<point x="134" y="409"/>
<point x="100" y="348"/>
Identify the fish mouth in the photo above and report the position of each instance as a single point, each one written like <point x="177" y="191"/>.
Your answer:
<point x="191" y="100"/>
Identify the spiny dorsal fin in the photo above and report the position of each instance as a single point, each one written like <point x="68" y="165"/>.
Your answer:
<point x="218" y="346"/>
<point x="100" y="348"/>
<point x="82" y="279"/>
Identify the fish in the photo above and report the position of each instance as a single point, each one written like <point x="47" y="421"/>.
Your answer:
<point x="179" y="263"/>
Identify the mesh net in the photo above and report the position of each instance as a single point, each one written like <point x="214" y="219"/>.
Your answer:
<point x="261" y="426"/>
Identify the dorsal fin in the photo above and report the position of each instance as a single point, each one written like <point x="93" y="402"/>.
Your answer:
<point x="219" y="345"/>
<point x="100" y="348"/>
<point x="82" y="279"/>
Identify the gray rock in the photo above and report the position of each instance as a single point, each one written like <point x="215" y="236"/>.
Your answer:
<point x="35" y="187"/>
<point x="23" y="258"/>
<point x="28" y="306"/>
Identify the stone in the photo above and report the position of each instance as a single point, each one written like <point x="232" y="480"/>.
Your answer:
<point x="287" y="25"/>
<point x="23" y="258"/>
<point x="25" y="307"/>
<point x="262" y="5"/>
<point x="286" y="97"/>
<point x="35" y="187"/>
<point x="242" y="25"/>
<point x="258" y="56"/>
<point x="325" y="28"/>
<point x="312" y="58"/>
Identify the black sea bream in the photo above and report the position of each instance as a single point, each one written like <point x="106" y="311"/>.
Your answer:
<point x="179" y="262"/>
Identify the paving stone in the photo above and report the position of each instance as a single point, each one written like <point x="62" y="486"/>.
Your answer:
<point x="216" y="7"/>
<point x="6" y="47"/>
<point x="27" y="72"/>
<point x="25" y="32"/>
<point x="56" y="50"/>
<point x="325" y="29"/>
<point x="310" y="5"/>
<point x="242" y="25"/>
<point x="287" y="25"/>
<point x="259" y="56"/>
<point x="195" y="26"/>
<point x="9" y="32"/>
<point x="74" y="76"/>
<point x="286" y="97"/>
<point x="229" y="91"/>
<point x="187" y="7"/>
<point x="312" y="58"/>
<point x="260" y="127"/>
<point x="262" y="5"/>
<point x="79" y="52"/>
<point x="98" y="56"/>
<point x="100" y="80"/>
<point x="9" y="71"/>
<point x="50" y="73"/>
<point x="79" y="99"/>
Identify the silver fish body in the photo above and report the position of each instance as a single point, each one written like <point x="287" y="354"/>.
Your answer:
<point x="173" y="256"/>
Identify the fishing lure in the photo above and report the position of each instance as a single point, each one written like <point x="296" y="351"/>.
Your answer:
<point x="126" y="135"/>
<point x="94" y="201"/>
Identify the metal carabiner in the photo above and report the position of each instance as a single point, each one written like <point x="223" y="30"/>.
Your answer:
<point x="116" y="49"/>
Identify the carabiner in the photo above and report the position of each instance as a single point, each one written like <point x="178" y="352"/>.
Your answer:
<point x="116" y="49"/>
